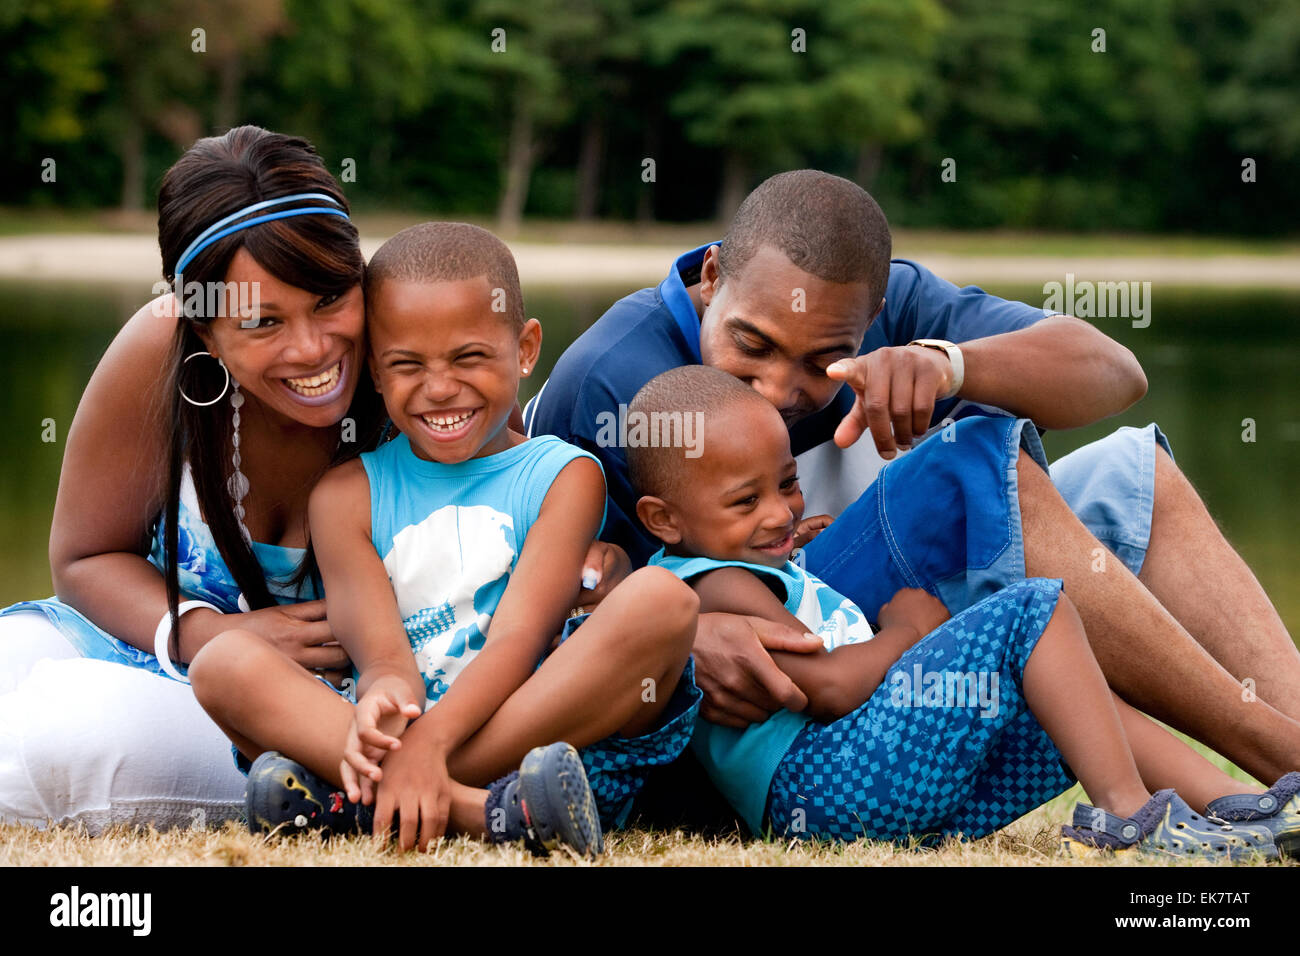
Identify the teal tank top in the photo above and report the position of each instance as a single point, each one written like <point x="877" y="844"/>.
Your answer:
<point x="449" y="536"/>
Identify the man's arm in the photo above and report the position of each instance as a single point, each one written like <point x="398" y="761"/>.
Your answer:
<point x="1060" y="372"/>
<point x="835" y="682"/>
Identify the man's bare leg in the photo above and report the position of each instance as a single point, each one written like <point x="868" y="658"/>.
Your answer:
<point x="1193" y="571"/>
<point x="1146" y="655"/>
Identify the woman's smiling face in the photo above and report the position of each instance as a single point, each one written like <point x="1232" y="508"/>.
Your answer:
<point x="300" y="357"/>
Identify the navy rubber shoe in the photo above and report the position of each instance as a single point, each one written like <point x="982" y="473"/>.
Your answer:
<point x="546" y="803"/>
<point x="1165" y="827"/>
<point x="282" y="793"/>
<point x="1278" y="809"/>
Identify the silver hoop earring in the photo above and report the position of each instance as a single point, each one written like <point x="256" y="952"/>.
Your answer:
<point x="224" y="388"/>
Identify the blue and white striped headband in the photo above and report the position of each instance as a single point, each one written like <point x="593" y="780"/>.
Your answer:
<point x="215" y="231"/>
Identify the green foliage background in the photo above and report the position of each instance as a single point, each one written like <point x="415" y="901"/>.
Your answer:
<point x="1046" y="130"/>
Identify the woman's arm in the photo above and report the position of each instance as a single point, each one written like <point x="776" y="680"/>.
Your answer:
<point x="542" y="588"/>
<point x="359" y="601"/>
<point x="835" y="682"/>
<point x="112" y="486"/>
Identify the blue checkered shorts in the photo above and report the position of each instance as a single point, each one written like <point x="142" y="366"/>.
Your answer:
<point x="945" y="746"/>
<point x="617" y="766"/>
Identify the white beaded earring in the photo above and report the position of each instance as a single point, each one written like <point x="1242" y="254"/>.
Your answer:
<point x="238" y="482"/>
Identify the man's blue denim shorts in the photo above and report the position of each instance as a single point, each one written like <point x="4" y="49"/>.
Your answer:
<point x="946" y="516"/>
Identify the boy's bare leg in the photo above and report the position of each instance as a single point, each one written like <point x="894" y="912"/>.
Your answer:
<point x="1068" y="696"/>
<point x="615" y="675"/>
<point x="1193" y="571"/>
<point x="264" y="700"/>
<point x="1165" y="761"/>
<point x="1146" y="655"/>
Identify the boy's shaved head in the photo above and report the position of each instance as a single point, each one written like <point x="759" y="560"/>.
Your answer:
<point x="447" y="252"/>
<point x="827" y="226"/>
<point x="687" y="390"/>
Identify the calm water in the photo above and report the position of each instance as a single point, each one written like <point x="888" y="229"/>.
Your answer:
<point x="1212" y="358"/>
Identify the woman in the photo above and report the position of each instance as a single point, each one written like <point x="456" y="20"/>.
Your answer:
<point x="186" y="476"/>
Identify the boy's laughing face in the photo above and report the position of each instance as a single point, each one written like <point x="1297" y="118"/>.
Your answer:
<point x="447" y="365"/>
<point x="740" y="500"/>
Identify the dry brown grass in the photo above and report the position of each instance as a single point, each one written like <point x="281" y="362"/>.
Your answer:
<point x="1030" y="841"/>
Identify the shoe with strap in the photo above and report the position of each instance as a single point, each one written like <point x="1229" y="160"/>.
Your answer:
<point x="1165" y="826"/>
<point x="547" y="803"/>
<point x="284" y="795"/>
<point x="1278" y="808"/>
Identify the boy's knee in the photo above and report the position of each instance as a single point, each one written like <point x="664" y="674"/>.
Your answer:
<point x="230" y="658"/>
<point x="671" y="600"/>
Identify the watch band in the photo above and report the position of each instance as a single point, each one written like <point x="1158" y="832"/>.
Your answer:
<point x="954" y="358"/>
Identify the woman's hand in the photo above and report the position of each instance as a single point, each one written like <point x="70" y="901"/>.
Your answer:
<point x="604" y="567"/>
<point x="298" y="630"/>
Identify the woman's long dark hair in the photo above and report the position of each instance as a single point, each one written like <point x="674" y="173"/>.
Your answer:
<point x="319" y="253"/>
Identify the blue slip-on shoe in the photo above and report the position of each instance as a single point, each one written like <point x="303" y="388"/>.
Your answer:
<point x="1164" y="827"/>
<point x="1278" y="808"/>
<point x="547" y="803"/>
<point x="283" y="793"/>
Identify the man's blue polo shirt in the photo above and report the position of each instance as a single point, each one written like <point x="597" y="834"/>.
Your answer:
<point x="654" y="330"/>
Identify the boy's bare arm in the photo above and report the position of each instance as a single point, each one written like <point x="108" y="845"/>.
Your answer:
<point x="835" y="682"/>
<point x="839" y="682"/>
<point x="359" y="600"/>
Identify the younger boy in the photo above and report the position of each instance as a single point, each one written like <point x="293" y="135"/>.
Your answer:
<point x="450" y="557"/>
<point x="868" y="759"/>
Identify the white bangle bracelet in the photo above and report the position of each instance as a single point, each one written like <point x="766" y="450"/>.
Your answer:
<point x="162" y="637"/>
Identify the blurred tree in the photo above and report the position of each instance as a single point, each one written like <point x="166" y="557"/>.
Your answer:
<point x="527" y="51"/>
<point x="51" y="67"/>
<point x="763" y="81"/>
<point x="347" y="72"/>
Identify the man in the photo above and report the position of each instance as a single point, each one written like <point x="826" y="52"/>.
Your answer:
<point x="802" y="302"/>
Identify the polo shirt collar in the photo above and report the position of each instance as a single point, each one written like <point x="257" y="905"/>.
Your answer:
<point x="673" y="292"/>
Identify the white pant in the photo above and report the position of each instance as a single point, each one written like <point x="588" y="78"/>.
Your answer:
<point x="86" y="741"/>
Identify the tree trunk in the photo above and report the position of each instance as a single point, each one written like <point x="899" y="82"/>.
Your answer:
<point x="519" y="162"/>
<point x="132" y="150"/>
<point x="869" y="156"/>
<point x="590" y="161"/>
<point x="735" y="185"/>
<point x="645" y="198"/>
<point x="229" y="79"/>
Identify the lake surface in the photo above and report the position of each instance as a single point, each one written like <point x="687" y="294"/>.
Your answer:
<point x="1213" y="358"/>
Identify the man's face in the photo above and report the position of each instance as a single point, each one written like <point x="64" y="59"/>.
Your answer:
<point x="776" y="328"/>
<point x="740" y="500"/>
